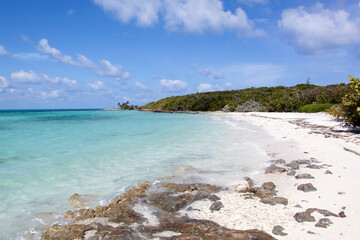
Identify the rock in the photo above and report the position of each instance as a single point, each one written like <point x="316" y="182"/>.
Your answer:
<point x="314" y="166"/>
<point x="76" y="201"/>
<point x="342" y="214"/>
<point x="304" y="217"/>
<point x="341" y="193"/>
<point x="274" y="200"/>
<point x="327" y="172"/>
<point x="243" y="186"/>
<point x="303" y="161"/>
<point x="57" y="232"/>
<point x="216" y="206"/>
<point x="298" y="206"/>
<point x="304" y="176"/>
<point x="249" y="181"/>
<point x="191" y="187"/>
<point x="291" y="173"/>
<point x="324" y="212"/>
<point x="169" y="203"/>
<point x="261" y="193"/>
<point x="278" y="230"/>
<point x="270" y="186"/>
<point x="310" y="232"/>
<point x="323" y="223"/>
<point x="278" y="161"/>
<point x="214" y="198"/>
<point x="308" y="187"/>
<point x="293" y="165"/>
<point x="274" y="169"/>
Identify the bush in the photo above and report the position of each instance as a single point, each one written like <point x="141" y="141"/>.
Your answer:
<point x="249" y="106"/>
<point x="314" y="108"/>
<point x="349" y="110"/>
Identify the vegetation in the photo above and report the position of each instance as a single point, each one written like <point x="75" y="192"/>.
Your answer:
<point x="271" y="99"/>
<point x="126" y="106"/>
<point x="313" y="108"/>
<point x="349" y="110"/>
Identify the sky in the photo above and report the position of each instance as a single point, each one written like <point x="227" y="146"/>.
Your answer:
<point x="96" y="53"/>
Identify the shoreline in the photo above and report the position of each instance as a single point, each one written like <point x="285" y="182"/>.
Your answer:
<point x="296" y="136"/>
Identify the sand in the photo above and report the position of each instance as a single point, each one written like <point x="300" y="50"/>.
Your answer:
<point x="317" y="137"/>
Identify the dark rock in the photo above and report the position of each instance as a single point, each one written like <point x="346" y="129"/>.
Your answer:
<point x="270" y="186"/>
<point x="327" y="172"/>
<point x="341" y="193"/>
<point x="169" y="203"/>
<point x="216" y="206"/>
<point x="324" y="212"/>
<point x="304" y="217"/>
<point x="250" y="181"/>
<point x="298" y="206"/>
<point x="308" y="187"/>
<point x="314" y="166"/>
<point x="304" y="176"/>
<point x="214" y="198"/>
<point x="261" y="193"/>
<point x="310" y="232"/>
<point x="291" y="173"/>
<point x="204" y="229"/>
<point x="293" y="165"/>
<point x="342" y="214"/>
<point x="274" y="169"/>
<point x="323" y="223"/>
<point x="274" y="200"/>
<point x="303" y="161"/>
<point x="278" y="230"/>
<point x="57" y="232"/>
<point x="278" y="161"/>
<point x="191" y="187"/>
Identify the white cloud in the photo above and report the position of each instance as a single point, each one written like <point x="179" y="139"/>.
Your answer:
<point x="182" y="15"/>
<point x="207" y="87"/>
<point x="144" y="12"/>
<point x="319" y="30"/>
<point x="25" y="77"/>
<point x="210" y="73"/>
<point x="97" y="86"/>
<point x="173" y="85"/>
<point x="3" y="83"/>
<point x="104" y="69"/>
<point x="58" y="80"/>
<point x="55" y="53"/>
<point x="3" y="50"/>
<point x="50" y="94"/>
<point x="141" y="86"/>
<point x="229" y="86"/>
<point x="28" y="56"/>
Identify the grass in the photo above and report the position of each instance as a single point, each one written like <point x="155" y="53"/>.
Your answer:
<point x="314" y="108"/>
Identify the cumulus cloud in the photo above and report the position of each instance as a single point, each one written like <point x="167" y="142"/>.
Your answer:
<point x="50" y="94"/>
<point x="229" y="85"/>
<point x="58" y="80"/>
<point x="97" y="86"/>
<point x="103" y="69"/>
<point x="3" y="83"/>
<point x="320" y="29"/>
<point x="173" y="85"/>
<point x="251" y="2"/>
<point x="25" y="77"/>
<point x="182" y="15"/>
<point x="141" y="86"/>
<point x="145" y="13"/>
<point x="3" y="50"/>
<point x="207" y="87"/>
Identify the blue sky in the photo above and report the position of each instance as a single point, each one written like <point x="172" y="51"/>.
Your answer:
<point x="95" y="53"/>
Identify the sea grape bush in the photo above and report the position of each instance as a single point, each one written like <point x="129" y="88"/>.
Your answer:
<point x="249" y="106"/>
<point x="349" y="110"/>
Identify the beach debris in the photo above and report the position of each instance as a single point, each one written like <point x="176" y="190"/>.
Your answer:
<point x="274" y="169"/>
<point x="341" y="193"/>
<point x="323" y="223"/>
<point x="308" y="187"/>
<point x="270" y="186"/>
<point x="214" y="198"/>
<point x="278" y="161"/>
<point x="304" y="176"/>
<point x="342" y="214"/>
<point x="291" y="173"/>
<point x="314" y="166"/>
<point x="310" y="232"/>
<point x="304" y="217"/>
<point x="278" y="230"/>
<point x="216" y="206"/>
<point x="324" y="212"/>
<point x="327" y="172"/>
<point x="274" y="200"/>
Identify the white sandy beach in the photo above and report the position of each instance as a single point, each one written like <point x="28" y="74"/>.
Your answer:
<point x="317" y="137"/>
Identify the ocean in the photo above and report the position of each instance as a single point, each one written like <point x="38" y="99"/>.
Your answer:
<point x="47" y="156"/>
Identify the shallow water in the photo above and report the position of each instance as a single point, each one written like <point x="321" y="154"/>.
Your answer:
<point x="45" y="157"/>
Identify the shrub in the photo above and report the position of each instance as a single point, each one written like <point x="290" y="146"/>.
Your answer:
<point x="249" y="106"/>
<point x="349" y="110"/>
<point x="314" y="108"/>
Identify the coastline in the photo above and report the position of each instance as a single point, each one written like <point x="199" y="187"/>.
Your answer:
<point x="311" y="137"/>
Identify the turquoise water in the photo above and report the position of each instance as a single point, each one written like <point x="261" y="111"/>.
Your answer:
<point x="45" y="157"/>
